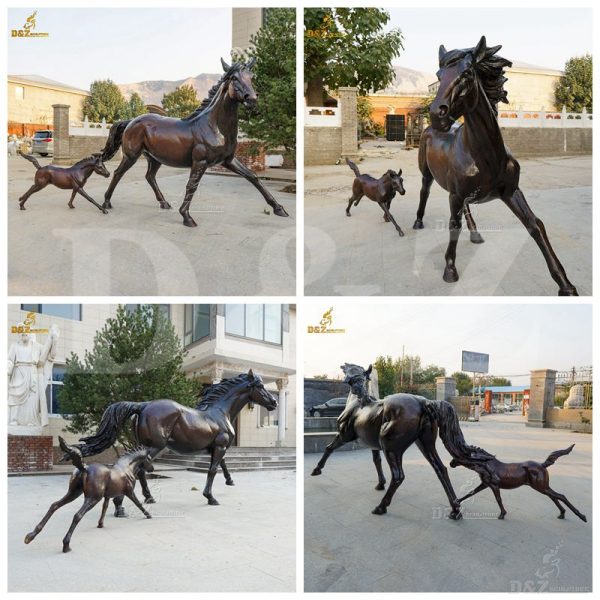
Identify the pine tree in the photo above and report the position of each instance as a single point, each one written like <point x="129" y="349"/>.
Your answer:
<point x="105" y="102"/>
<point x="181" y="102"/>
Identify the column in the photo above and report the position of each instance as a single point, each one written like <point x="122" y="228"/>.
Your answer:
<point x="349" y="121"/>
<point x="216" y="374"/>
<point x="445" y="388"/>
<point x="282" y="410"/>
<point x="61" y="135"/>
<point x="541" y="396"/>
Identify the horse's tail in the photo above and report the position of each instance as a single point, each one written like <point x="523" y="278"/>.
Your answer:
<point x="110" y="425"/>
<point x="353" y="167"/>
<point x="31" y="159"/>
<point x="444" y="415"/>
<point x="115" y="137"/>
<point x="556" y="455"/>
<point x="72" y="453"/>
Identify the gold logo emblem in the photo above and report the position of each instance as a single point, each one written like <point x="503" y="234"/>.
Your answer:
<point x="28" y="29"/>
<point x="26" y="327"/>
<point x="325" y="324"/>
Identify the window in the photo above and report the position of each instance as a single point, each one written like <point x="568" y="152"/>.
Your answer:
<point x="54" y="388"/>
<point x="255" y="321"/>
<point x="64" y="311"/>
<point x="19" y="92"/>
<point x="196" y="323"/>
<point x="267" y="418"/>
<point x="164" y="308"/>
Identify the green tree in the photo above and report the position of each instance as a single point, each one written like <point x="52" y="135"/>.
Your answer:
<point x="135" y="106"/>
<point x="348" y="47"/>
<point x="180" y="102"/>
<point x="105" y="102"/>
<point x="136" y="356"/>
<point x="273" y="120"/>
<point x="386" y="375"/>
<point x="464" y="383"/>
<point x="574" y="88"/>
<point x="364" y="109"/>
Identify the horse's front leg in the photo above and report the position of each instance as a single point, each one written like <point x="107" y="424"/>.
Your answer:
<point x="426" y="182"/>
<point x="536" y="229"/>
<point x="141" y="475"/>
<point x="338" y="440"/>
<point x="380" y="476"/>
<point x="73" y="194"/>
<point x="475" y="235"/>
<point x="237" y="167"/>
<point x="217" y="454"/>
<point x="228" y="479"/>
<point x="79" y="189"/>
<point x="388" y="214"/>
<point x="198" y="169"/>
<point x="455" y="227"/>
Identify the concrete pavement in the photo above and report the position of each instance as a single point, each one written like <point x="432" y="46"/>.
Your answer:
<point x="413" y="548"/>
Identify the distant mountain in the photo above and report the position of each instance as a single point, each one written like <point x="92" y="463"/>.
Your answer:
<point x="152" y="92"/>
<point x="408" y="81"/>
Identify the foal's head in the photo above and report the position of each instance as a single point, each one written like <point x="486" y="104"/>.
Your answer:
<point x="397" y="181"/>
<point x="239" y="82"/>
<point x="138" y="459"/>
<point x="357" y="378"/>
<point x="99" y="167"/>
<point x="463" y="75"/>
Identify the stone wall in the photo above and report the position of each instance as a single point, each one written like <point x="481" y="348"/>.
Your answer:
<point x="81" y="146"/>
<point x="525" y="142"/>
<point x="322" y="145"/>
<point x="317" y="391"/>
<point x="576" y="419"/>
<point x="28" y="453"/>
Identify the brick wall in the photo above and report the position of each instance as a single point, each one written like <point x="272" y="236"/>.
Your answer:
<point x="527" y="142"/>
<point x="250" y="154"/>
<point x="28" y="453"/>
<point x="27" y="129"/>
<point x="322" y="145"/>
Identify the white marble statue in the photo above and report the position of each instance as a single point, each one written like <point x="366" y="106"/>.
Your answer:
<point x="576" y="397"/>
<point x="29" y="373"/>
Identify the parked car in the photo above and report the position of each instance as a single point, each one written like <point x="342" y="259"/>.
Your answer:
<point x="42" y="143"/>
<point x="332" y="408"/>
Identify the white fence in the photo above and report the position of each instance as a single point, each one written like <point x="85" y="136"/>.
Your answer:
<point x="90" y="129"/>
<point x="322" y="116"/>
<point x="541" y="118"/>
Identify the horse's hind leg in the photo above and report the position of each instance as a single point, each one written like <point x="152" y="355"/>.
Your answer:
<point x="356" y="200"/>
<point x="455" y="227"/>
<point x="126" y="164"/>
<point x="103" y="513"/>
<point x="496" y="491"/>
<point x="218" y="452"/>
<point x="73" y="194"/>
<point x="337" y="442"/>
<point x="395" y="462"/>
<point x="198" y="169"/>
<point x="153" y="167"/>
<point x="475" y="235"/>
<point x="228" y="480"/>
<point x="380" y="475"/>
<point x="119" y="510"/>
<point x="36" y="187"/>
<point x="426" y="182"/>
<point x="559" y="506"/>
<point x="87" y="505"/>
<point x="388" y="214"/>
<point x="556" y="496"/>
<point x="536" y="229"/>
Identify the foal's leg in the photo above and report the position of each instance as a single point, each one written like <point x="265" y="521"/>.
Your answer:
<point x="338" y="441"/>
<point x="87" y="505"/>
<point x="426" y="182"/>
<point x="556" y="496"/>
<point x="536" y="229"/>
<point x="32" y="190"/>
<point x="380" y="475"/>
<point x="131" y="495"/>
<point x="559" y="506"/>
<point x="198" y="169"/>
<point x="479" y="488"/>
<point x="126" y="164"/>
<point x="103" y="514"/>
<point x="81" y="191"/>
<point x="153" y="167"/>
<point x="388" y="214"/>
<point x="356" y="200"/>
<point x="496" y="491"/>
<point x="218" y="452"/>
<point x="228" y="480"/>
<point x="455" y="226"/>
<point x="119" y="510"/>
<point x="475" y="235"/>
<point x="237" y="167"/>
<point x="73" y="194"/>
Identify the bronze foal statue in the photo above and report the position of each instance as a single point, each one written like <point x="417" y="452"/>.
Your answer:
<point x="97" y="482"/>
<point x="206" y="138"/>
<point x="381" y="191"/>
<point x="470" y="160"/>
<point x="498" y="475"/>
<point x="70" y="178"/>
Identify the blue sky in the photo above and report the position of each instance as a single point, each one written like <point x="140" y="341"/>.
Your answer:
<point x="518" y="337"/>
<point x="546" y="37"/>
<point x="125" y="45"/>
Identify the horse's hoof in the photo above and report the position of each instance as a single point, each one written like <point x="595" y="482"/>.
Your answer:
<point x="74" y="207"/>
<point x="348" y="214"/>
<point x="229" y="482"/>
<point x="66" y="549"/>
<point x="379" y="510"/>
<point x="568" y="292"/>
<point x="400" y="233"/>
<point x="213" y="502"/>
<point x="149" y="500"/>
<point x="418" y="224"/>
<point x="280" y="211"/>
<point x="104" y="211"/>
<point x="107" y="205"/>
<point x="148" y="516"/>
<point x="189" y="222"/>
<point x="476" y="238"/>
<point x="120" y="512"/>
<point x="583" y="518"/>
<point x="450" y="275"/>
<point x="559" y="517"/>
<point x="380" y="486"/>
<point x="501" y="516"/>
<point x="28" y="538"/>
<point x="165" y="205"/>
<point x="455" y="515"/>
<point x="100" y="525"/>
<point x="22" y="207"/>
<point x="316" y="472"/>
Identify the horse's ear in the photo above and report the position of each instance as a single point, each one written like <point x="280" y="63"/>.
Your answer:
<point x="479" y="50"/>
<point x="225" y="66"/>
<point x="441" y="53"/>
<point x="399" y="171"/>
<point x="368" y="371"/>
<point x="250" y="375"/>
<point x="250" y="65"/>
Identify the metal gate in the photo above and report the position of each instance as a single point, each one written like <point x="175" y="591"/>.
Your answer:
<point x="565" y="380"/>
<point x="394" y="128"/>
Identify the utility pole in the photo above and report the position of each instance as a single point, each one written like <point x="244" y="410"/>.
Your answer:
<point x="402" y="369"/>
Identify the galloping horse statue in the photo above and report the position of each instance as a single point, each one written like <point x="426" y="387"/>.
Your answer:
<point x="206" y="138"/>
<point x="160" y="424"/>
<point x="470" y="160"/>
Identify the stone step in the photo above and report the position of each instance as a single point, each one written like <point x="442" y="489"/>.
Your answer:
<point x="232" y="464"/>
<point x="275" y="467"/>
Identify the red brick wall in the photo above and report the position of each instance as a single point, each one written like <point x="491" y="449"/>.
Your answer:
<point x="250" y="154"/>
<point x="29" y="453"/>
<point x="26" y="129"/>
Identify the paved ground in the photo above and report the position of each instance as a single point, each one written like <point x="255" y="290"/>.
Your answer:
<point x="363" y="255"/>
<point x="413" y="549"/>
<point x="247" y="544"/>
<point x="139" y="249"/>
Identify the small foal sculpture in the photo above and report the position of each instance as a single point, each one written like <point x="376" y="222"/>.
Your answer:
<point x="498" y="475"/>
<point x="97" y="482"/>
<point x="69" y="178"/>
<point x="380" y="190"/>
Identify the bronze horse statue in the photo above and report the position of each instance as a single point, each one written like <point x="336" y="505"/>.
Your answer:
<point x="160" y="424"/>
<point x="206" y="138"/>
<point x="498" y="475"/>
<point x="97" y="482"/>
<point x="381" y="191"/>
<point x="397" y="422"/>
<point x="65" y="178"/>
<point x="470" y="160"/>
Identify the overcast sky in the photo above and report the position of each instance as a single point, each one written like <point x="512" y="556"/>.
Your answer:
<point x="518" y="337"/>
<point x="546" y="37"/>
<point x="125" y="45"/>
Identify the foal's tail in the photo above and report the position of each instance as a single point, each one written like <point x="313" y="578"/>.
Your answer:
<point x="110" y="425"/>
<point x="115" y="137"/>
<point x="353" y="167"/>
<point x="72" y="453"/>
<point x="556" y="455"/>
<point x="31" y="159"/>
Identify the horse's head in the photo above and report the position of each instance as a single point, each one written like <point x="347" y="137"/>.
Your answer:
<point x="259" y="394"/>
<point x="463" y="75"/>
<point x="239" y="82"/>
<point x="141" y="459"/>
<point x="357" y="378"/>
<point x="99" y="165"/>
<point x="397" y="181"/>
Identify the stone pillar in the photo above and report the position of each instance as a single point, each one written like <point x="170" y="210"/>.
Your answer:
<point x="216" y="374"/>
<point x="282" y="409"/>
<point x="541" y="396"/>
<point x="62" y="155"/>
<point x="445" y="388"/>
<point x="347" y="96"/>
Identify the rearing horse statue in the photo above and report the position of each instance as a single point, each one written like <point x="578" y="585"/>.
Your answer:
<point x="470" y="160"/>
<point x="206" y="138"/>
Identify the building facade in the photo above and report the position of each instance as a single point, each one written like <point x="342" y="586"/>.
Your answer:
<point x="245" y="22"/>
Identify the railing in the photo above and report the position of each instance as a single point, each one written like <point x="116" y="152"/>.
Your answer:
<point x="322" y="116"/>
<point x="566" y="380"/>
<point x="541" y="118"/>
<point x="86" y="128"/>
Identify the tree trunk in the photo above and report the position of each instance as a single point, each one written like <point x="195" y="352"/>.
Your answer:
<point x="315" y="92"/>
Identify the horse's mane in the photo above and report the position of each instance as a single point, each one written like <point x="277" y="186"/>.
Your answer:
<point x="212" y="393"/>
<point x="83" y="160"/>
<point x="235" y="67"/>
<point x="132" y="455"/>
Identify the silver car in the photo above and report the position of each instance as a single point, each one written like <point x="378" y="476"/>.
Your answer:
<point x="42" y="143"/>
